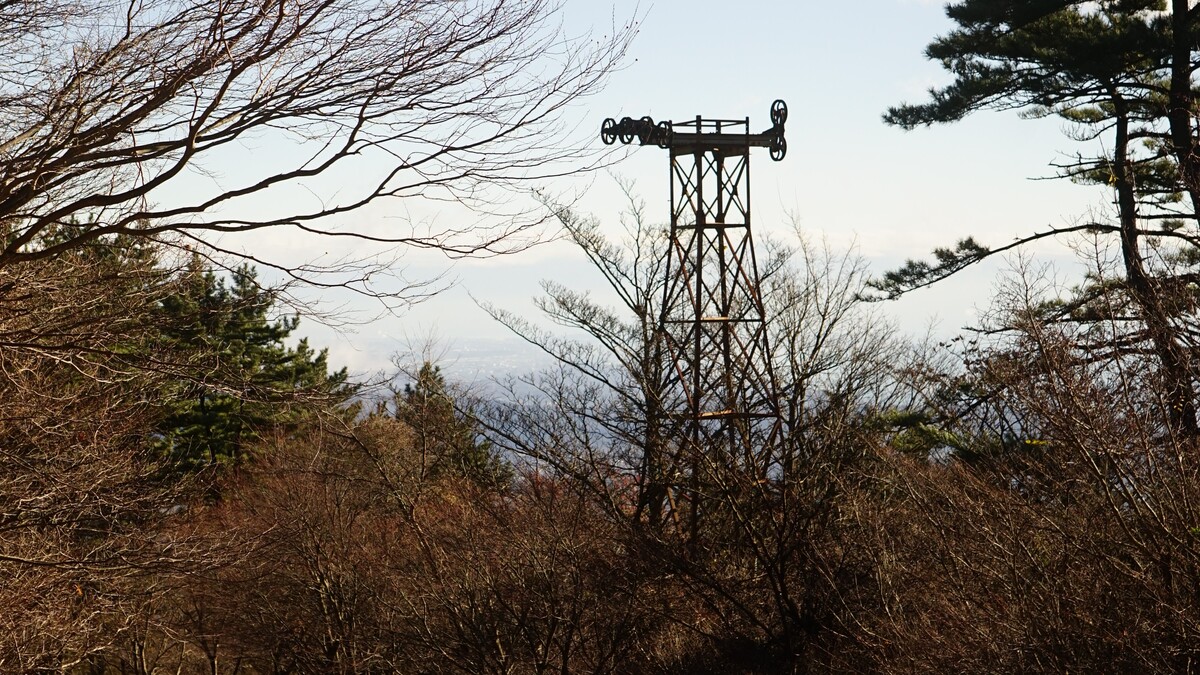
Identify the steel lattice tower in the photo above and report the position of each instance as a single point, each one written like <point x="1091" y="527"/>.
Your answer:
<point x="713" y="319"/>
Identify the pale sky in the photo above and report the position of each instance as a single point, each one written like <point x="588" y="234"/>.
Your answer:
<point x="847" y="177"/>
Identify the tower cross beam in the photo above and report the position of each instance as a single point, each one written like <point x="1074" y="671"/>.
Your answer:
<point x="699" y="135"/>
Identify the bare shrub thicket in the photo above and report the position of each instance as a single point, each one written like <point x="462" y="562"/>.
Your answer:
<point x="1057" y="532"/>
<point x="764" y="573"/>
<point x="81" y="496"/>
<point x="100" y="526"/>
<point x="357" y="563"/>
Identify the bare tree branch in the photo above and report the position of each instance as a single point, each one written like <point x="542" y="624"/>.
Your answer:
<point x="109" y="111"/>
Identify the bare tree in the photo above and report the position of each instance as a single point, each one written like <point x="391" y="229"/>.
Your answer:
<point x="1055" y="531"/>
<point x="614" y="384"/>
<point x="758" y="575"/>
<point x="83" y="500"/>
<point x="1137" y="99"/>
<point x="365" y="564"/>
<point x="120" y="116"/>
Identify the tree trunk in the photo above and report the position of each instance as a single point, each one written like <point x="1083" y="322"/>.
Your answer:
<point x="1173" y="356"/>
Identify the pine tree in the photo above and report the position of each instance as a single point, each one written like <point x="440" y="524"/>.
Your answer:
<point x="1120" y="71"/>
<point x="247" y="380"/>
<point x="446" y="438"/>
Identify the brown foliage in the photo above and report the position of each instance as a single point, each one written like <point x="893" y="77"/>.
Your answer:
<point x="361" y="566"/>
<point x="81" y="499"/>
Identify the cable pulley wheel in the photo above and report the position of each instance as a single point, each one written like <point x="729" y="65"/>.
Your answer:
<point x="778" y="112"/>
<point x="608" y="131"/>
